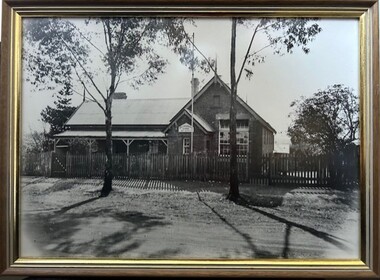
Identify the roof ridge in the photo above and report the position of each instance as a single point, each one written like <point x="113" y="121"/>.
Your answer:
<point x="167" y="98"/>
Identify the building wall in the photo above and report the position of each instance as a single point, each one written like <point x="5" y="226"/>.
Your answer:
<point x="175" y="138"/>
<point x="255" y="136"/>
<point x="214" y="103"/>
<point x="268" y="141"/>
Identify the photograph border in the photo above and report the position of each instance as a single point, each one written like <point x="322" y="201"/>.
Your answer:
<point x="367" y="12"/>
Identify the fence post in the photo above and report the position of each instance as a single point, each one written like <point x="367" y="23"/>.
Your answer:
<point x="50" y="163"/>
<point x="90" y="163"/>
<point x="66" y="163"/>
<point x="319" y="180"/>
<point x="270" y="170"/>
<point x="247" y="168"/>
<point x="128" y="165"/>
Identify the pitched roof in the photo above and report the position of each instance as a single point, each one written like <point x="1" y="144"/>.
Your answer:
<point x="200" y="122"/>
<point x="129" y="112"/>
<point x="228" y="90"/>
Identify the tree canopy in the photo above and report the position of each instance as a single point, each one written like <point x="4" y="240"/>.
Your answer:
<point x="327" y="122"/>
<point x="57" y="116"/>
<point x="100" y="54"/>
<point x="98" y="51"/>
<point x="281" y="35"/>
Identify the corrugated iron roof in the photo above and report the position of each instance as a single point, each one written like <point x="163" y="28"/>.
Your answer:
<point x="115" y="134"/>
<point x="130" y="112"/>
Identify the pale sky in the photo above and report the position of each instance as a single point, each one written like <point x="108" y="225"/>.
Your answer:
<point x="333" y="59"/>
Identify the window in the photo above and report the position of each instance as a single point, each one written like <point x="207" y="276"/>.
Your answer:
<point x="186" y="146"/>
<point x="242" y="137"/>
<point x="224" y="124"/>
<point x="242" y="142"/>
<point x="224" y="142"/>
<point x="242" y="124"/>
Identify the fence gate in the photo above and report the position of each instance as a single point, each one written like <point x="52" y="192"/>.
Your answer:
<point x="58" y="165"/>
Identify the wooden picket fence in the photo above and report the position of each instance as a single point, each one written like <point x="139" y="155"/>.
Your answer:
<point x="36" y="164"/>
<point x="272" y="169"/>
<point x="156" y="166"/>
<point x="280" y="169"/>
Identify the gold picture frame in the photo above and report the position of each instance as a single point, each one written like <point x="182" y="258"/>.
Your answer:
<point x="367" y="12"/>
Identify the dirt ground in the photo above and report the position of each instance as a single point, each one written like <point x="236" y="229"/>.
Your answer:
<point x="147" y="219"/>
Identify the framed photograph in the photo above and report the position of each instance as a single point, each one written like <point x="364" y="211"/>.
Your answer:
<point x="190" y="138"/>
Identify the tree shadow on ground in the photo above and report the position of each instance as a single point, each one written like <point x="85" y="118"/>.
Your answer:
<point x="256" y="251"/>
<point x="70" y="234"/>
<point x="75" y="205"/>
<point x="263" y="196"/>
<point x="336" y="241"/>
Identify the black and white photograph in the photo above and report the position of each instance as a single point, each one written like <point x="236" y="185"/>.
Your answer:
<point x="190" y="138"/>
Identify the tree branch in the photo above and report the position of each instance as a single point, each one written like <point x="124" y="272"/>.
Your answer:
<point x="85" y="37"/>
<point x="199" y="51"/>
<point x="84" y="69"/>
<point x="83" y="95"/>
<point x="266" y="27"/>
<point x="247" y="54"/>
<point x="138" y="39"/>
<point x="105" y="36"/>
<point x="134" y="77"/>
<point x="94" y="99"/>
<point x="111" y="60"/>
<point x="86" y="89"/>
<point x="263" y="48"/>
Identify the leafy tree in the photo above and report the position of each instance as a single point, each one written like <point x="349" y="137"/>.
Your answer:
<point x="326" y="123"/>
<point x="35" y="142"/>
<point x="57" y="116"/>
<point x="282" y="35"/>
<point x="66" y="53"/>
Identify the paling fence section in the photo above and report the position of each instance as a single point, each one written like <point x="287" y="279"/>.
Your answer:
<point x="36" y="164"/>
<point x="272" y="169"/>
<point x="156" y="166"/>
<point x="299" y="170"/>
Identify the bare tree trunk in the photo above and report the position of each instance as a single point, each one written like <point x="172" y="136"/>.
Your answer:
<point x="108" y="173"/>
<point x="234" y="181"/>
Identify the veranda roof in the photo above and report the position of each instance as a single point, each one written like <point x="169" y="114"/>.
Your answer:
<point x="115" y="134"/>
<point x="129" y="112"/>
